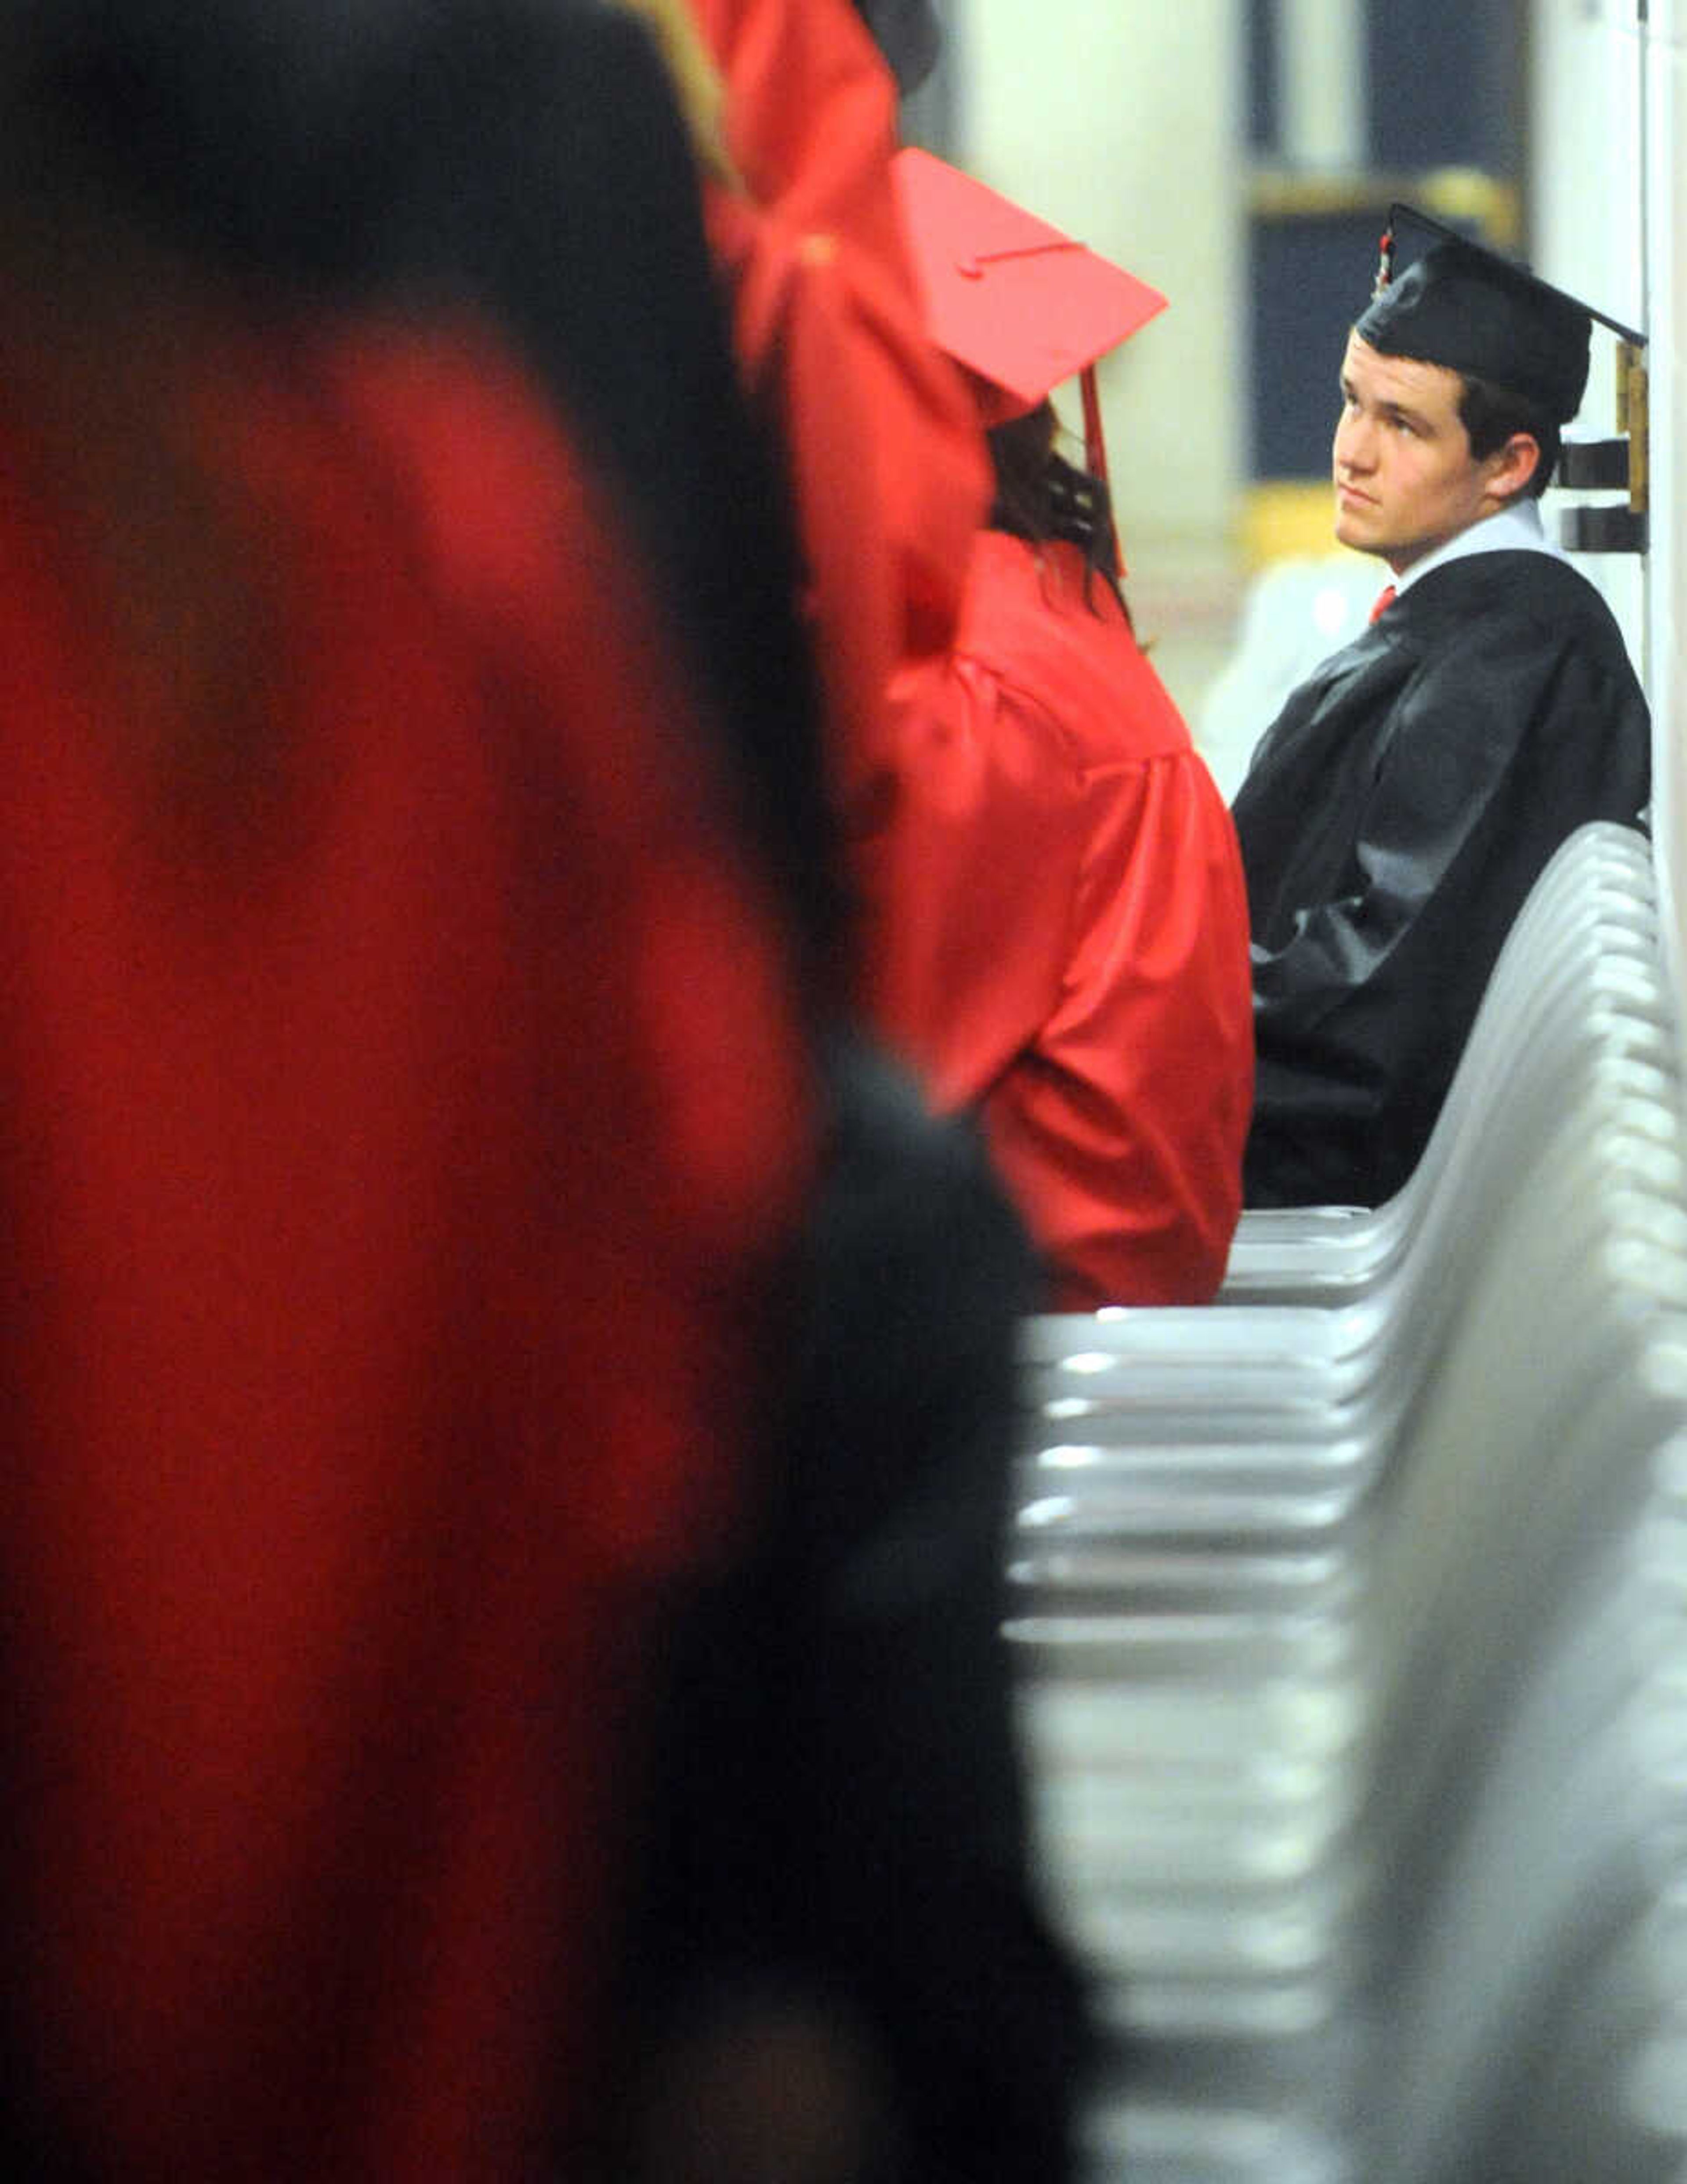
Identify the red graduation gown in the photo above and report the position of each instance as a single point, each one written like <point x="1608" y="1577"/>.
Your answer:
<point x="889" y="468"/>
<point x="1059" y="933"/>
<point x="401" y="1110"/>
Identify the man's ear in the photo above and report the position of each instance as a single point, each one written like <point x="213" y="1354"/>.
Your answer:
<point x="1511" y="468"/>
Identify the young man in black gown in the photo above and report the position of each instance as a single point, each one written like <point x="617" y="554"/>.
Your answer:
<point x="1399" y="810"/>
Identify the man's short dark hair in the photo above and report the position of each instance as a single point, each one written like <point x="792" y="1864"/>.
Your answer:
<point x="1490" y="414"/>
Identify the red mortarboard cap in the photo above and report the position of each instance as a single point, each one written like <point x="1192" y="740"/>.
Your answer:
<point x="1023" y="306"/>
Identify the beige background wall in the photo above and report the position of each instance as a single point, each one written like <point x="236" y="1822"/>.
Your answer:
<point x="1117" y="120"/>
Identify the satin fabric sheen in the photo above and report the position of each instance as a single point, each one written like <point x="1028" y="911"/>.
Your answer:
<point x="1058" y="931"/>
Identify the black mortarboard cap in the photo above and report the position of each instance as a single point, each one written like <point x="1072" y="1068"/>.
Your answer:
<point x="1464" y="306"/>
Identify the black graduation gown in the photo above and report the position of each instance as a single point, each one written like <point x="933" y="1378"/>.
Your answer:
<point x="1393" y="821"/>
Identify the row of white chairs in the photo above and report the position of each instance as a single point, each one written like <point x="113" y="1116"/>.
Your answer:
<point x="1304" y="1600"/>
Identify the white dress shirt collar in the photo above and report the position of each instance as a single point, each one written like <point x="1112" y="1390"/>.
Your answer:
<point x="1513" y="529"/>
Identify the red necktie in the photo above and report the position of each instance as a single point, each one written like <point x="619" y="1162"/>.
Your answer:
<point x="1385" y="599"/>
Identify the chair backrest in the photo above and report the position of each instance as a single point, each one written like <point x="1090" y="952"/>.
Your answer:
<point x="1547" y="1964"/>
<point x="1332" y="1744"/>
<point x="1183" y="1402"/>
<point x="1598" y="888"/>
<point x="1531" y="1440"/>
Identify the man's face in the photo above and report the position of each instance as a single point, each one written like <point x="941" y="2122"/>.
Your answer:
<point x="1405" y="480"/>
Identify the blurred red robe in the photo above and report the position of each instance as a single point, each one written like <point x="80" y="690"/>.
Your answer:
<point x="1059" y="937"/>
<point x="889" y="469"/>
<point x="402" y="1114"/>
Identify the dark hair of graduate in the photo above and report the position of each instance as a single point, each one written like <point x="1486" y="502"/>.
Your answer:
<point x="1040" y="495"/>
<point x="1490" y="414"/>
<point x="526" y="159"/>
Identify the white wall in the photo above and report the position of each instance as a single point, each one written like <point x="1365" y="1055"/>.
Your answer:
<point x="1610" y="100"/>
<point x="1666" y="196"/>
<point x="1117" y="120"/>
<point x="1585" y="196"/>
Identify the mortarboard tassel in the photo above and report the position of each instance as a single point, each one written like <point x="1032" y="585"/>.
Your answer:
<point x="1385" y="259"/>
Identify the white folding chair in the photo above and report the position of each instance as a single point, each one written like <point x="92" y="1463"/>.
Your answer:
<point x="1278" y="1571"/>
<point x="1599" y="887"/>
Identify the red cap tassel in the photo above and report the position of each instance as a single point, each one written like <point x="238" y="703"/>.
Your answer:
<point x="1095" y="449"/>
